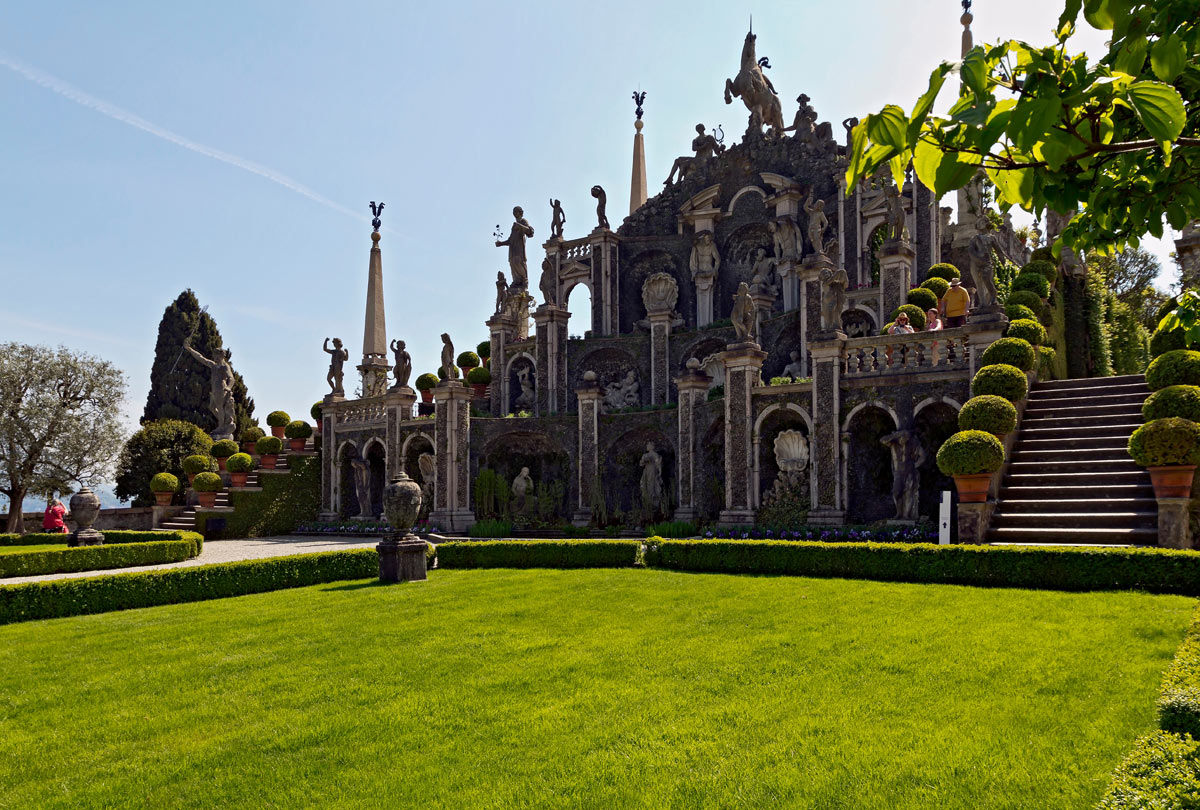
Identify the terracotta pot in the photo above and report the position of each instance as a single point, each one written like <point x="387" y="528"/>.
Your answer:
<point x="427" y="395"/>
<point x="480" y="390"/>
<point x="297" y="445"/>
<point x="465" y="370"/>
<point x="238" y="479"/>
<point x="248" y="447"/>
<point x="973" y="488"/>
<point x="277" y="430"/>
<point x="1174" y="481"/>
<point x="1000" y="436"/>
<point x="317" y="426"/>
<point x="163" y="498"/>
<point x="221" y="464"/>
<point x="191" y="478"/>
<point x="206" y="499"/>
<point x="267" y="462"/>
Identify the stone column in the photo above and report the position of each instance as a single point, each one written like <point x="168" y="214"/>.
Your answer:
<point x="693" y="391"/>
<point x="397" y="405"/>
<point x="502" y="328"/>
<point x="1187" y="248"/>
<point x="789" y="284"/>
<point x="589" y="431"/>
<point x="743" y="368"/>
<point x="606" y="277"/>
<point x="330" y="475"/>
<point x="895" y="275"/>
<point x="452" y="437"/>
<point x="827" y="354"/>
<point x="551" y="358"/>
<point x="764" y="304"/>
<point x="973" y="519"/>
<point x="1173" y="527"/>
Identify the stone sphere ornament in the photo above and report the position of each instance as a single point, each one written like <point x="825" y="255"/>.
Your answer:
<point x="401" y="553"/>
<point x="85" y="508"/>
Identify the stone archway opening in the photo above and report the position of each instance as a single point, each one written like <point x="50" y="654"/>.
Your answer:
<point x="869" y="466"/>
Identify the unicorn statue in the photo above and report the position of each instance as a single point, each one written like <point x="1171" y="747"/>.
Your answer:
<point x="755" y="90"/>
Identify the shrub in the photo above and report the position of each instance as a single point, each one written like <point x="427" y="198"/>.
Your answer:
<point x="479" y="376"/>
<point x="278" y="419"/>
<point x="297" y="430"/>
<point x="923" y="297"/>
<point x="988" y="413"/>
<point x="916" y="315"/>
<point x="716" y="392"/>
<point x="1019" y="312"/>
<point x="970" y="452"/>
<point x="484" y="349"/>
<point x="207" y="482"/>
<point x="1178" y="367"/>
<point x="1045" y="362"/>
<point x="252" y="434"/>
<point x="1012" y="351"/>
<point x="157" y="447"/>
<point x="268" y="446"/>
<point x="193" y="465"/>
<point x="92" y="558"/>
<point x="887" y="327"/>
<point x="1034" y="282"/>
<point x="1165" y="442"/>
<point x="1042" y="254"/>
<point x="467" y="360"/>
<point x="427" y="382"/>
<point x="315" y="411"/>
<point x="938" y="286"/>
<point x="240" y="463"/>
<point x="943" y="270"/>
<point x="673" y="528"/>
<point x="111" y="537"/>
<point x="1002" y="380"/>
<point x="1162" y="771"/>
<point x="1027" y="329"/>
<point x="164" y="482"/>
<point x="491" y="528"/>
<point x="1026" y="298"/>
<point x="1179" y="699"/>
<point x="1174" y="400"/>
<point x="1049" y="270"/>
<point x="539" y="554"/>
<point x="224" y="448"/>
<point x="1163" y="341"/>
<point x="78" y="597"/>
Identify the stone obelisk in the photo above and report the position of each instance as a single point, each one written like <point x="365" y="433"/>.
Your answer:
<point x="637" y="185"/>
<point x="374" y="367"/>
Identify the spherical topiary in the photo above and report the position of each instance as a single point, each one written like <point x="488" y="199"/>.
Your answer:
<point x="441" y="373"/>
<point x="943" y="270"/>
<point x="240" y="463"/>
<point x="1026" y="298"/>
<point x="1027" y="329"/>
<point x="1174" y="400"/>
<point x="1047" y="269"/>
<point x="989" y="413"/>
<point x="207" y="482"/>
<point x="1019" y="312"/>
<point x="297" y="430"/>
<point x="1163" y="341"/>
<point x="252" y="433"/>
<point x="916" y="315"/>
<point x="278" y="418"/>
<point x="887" y="327"/>
<point x="1010" y="351"/>
<point x="1002" y="380"/>
<point x="315" y="411"/>
<point x="1045" y="362"/>
<point x="467" y="360"/>
<point x="1165" y="442"/>
<point x="224" y="448"/>
<point x="1034" y="282"/>
<point x="484" y="349"/>
<point x="1042" y="254"/>
<point x="268" y="446"/>
<point x="970" y="452"/>
<point x="193" y="465"/>
<point x="164" y="482"/>
<point x="923" y="297"/>
<point x="479" y="376"/>
<point x="938" y="286"/>
<point x="427" y="382"/>
<point x="1178" y="367"/>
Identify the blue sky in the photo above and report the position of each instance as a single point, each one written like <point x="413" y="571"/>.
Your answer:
<point x="451" y="113"/>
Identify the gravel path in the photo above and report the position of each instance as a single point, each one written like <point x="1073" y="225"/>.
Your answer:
<point x="220" y="551"/>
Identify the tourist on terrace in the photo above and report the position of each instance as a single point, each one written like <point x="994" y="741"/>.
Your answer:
<point x="901" y="326"/>
<point x="52" y="519"/>
<point x="932" y="322"/>
<point x="954" y="305"/>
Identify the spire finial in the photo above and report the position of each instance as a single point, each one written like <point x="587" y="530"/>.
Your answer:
<point x="752" y="22"/>
<point x="638" y="98"/>
<point x="376" y="210"/>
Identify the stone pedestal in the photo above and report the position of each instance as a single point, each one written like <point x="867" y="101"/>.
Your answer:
<point x="502" y="327"/>
<point x="402" y="559"/>
<point x="973" y="519"/>
<point x="660" y="356"/>
<point x="895" y="275"/>
<point x="551" y="358"/>
<point x="982" y="333"/>
<point x="829" y="506"/>
<point x="397" y="404"/>
<point x="764" y="304"/>
<point x="452" y="480"/>
<point x="693" y="391"/>
<point x="706" y="284"/>
<point x="589" y="431"/>
<point x="743" y="368"/>
<point x="1174" y="530"/>
<point x="789" y="283"/>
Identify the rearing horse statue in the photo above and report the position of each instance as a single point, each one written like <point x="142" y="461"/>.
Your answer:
<point x="755" y="90"/>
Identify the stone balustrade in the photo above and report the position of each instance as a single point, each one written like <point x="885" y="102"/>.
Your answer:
<point x="366" y="411"/>
<point x="943" y="350"/>
<point x="576" y="249"/>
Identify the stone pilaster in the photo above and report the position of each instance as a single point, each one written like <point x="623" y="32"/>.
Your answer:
<point x="789" y="283"/>
<point x="589" y="432"/>
<point x="895" y="276"/>
<point x="1174" y="530"/>
<point x="660" y="357"/>
<point x="551" y="358"/>
<point x="764" y="304"/>
<point x="828" y="505"/>
<point x="502" y="327"/>
<point x="606" y="278"/>
<point x="693" y="391"/>
<point x="397" y="404"/>
<point x="1187" y="249"/>
<point x="808" y="283"/>
<point x="743" y="369"/>
<point x="329" y="467"/>
<point x="452" y="480"/>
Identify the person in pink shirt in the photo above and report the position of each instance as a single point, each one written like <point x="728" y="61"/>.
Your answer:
<point x="52" y="520"/>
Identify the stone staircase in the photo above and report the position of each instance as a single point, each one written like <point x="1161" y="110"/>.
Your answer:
<point x="1071" y="479"/>
<point x="186" y="519"/>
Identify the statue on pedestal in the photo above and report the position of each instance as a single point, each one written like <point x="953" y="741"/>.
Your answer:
<point x="833" y="296"/>
<point x="548" y="283"/>
<point x="704" y="146"/>
<point x="528" y="396"/>
<point x="794" y="369"/>
<point x="557" y="219"/>
<point x="501" y="291"/>
<point x="763" y="271"/>
<point x="651" y="485"/>
<point x="785" y="234"/>
<point x="818" y="223"/>
<point x="522" y="487"/>
<point x="337" y="356"/>
<point x="897" y="219"/>
<point x="907" y="457"/>
<point x="705" y="260"/>
<point x="403" y="365"/>
<point x="601" y="202"/>
<point x="755" y="90"/>
<point x="982" y="271"/>
<point x="449" y="370"/>
<point x="362" y="486"/>
<point x="521" y="230"/>
<point x="744" y="317"/>
<point x="220" y="392"/>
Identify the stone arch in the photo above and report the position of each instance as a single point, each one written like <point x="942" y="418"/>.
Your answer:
<point x="934" y="420"/>
<point x="410" y="453"/>
<point x="860" y="321"/>
<point x="868" y="404"/>
<point x="611" y="364"/>
<point x="548" y="461"/>
<point x="708" y="351"/>
<point x="582" y="320"/>
<point x="512" y="382"/>
<point x="774" y="419"/>
<point x="344" y="503"/>
<point x="869" y="463"/>
<point x="645" y="264"/>
<point x="920" y="406"/>
<point x="743" y="191"/>
<point x="737" y="263"/>
<point x="621" y="471"/>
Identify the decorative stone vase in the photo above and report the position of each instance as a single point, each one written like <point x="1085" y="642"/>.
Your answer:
<point x="85" y="508"/>
<point x="206" y="499"/>
<point x="401" y="554"/>
<point x="277" y="430"/>
<point x="163" y="498"/>
<point x="1174" y="481"/>
<point x="973" y="488"/>
<point x="402" y="503"/>
<point x="267" y="462"/>
<point x="297" y="445"/>
<point x="238" y="479"/>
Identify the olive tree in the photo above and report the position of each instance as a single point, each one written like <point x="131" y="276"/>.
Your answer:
<point x="59" y="421"/>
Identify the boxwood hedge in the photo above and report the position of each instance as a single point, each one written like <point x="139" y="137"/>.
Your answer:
<point x="1179" y="699"/>
<point x="111" y="536"/>
<point x="539" y="554"/>
<point x="1177" y="367"/>
<point x="95" y="558"/>
<point x="1162" y="771"/>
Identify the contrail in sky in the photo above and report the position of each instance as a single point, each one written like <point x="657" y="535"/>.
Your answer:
<point x="73" y="93"/>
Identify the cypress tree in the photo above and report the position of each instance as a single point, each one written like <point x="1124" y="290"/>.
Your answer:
<point x="178" y="384"/>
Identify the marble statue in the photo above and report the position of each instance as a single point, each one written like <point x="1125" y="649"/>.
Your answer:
<point x="548" y="283"/>
<point x="528" y="396"/>
<point x="818" y="223"/>
<point x="791" y="451"/>
<point x="705" y="260"/>
<point x="652" y="479"/>
<point x="704" y="146"/>
<point x="557" y="219"/>
<point x="403" y="365"/>
<point x="220" y="392"/>
<point x="897" y="219"/>
<point x="833" y="296"/>
<point x="362" y="485"/>
<point x="794" y="369"/>
<point x="785" y="235"/>
<point x="427" y="464"/>
<point x="744" y="316"/>
<point x="601" y="201"/>
<point x="762" y="272"/>
<point x="907" y="457"/>
<point x="804" y="125"/>
<point x="449" y="370"/>
<point x="337" y="356"/>
<point x="521" y="230"/>
<point x="624" y="393"/>
<point x="849" y="124"/>
<point x="755" y="90"/>
<point x="501" y="291"/>
<point x="522" y="488"/>
<point x="982" y="272"/>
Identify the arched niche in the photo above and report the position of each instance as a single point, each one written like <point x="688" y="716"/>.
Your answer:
<point x="549" y="467"/>
<point x="869" y="464"/>
<point x="776" y="419"/>
<point x="933" y="423"/>
<point x="521" y="367"/>
<point x="634" y="274"/>
<point x="611" y="366"/>
<point x="621" y="473"/>
<point x="737" y="262"/>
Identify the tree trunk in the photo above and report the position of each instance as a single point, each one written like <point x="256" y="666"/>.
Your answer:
<point x="16" y="522"/>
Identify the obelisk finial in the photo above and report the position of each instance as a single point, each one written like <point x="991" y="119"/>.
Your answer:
<point x="638" y="99"/>
<point x="637" y="184"/>
<point x="376" y="210"/>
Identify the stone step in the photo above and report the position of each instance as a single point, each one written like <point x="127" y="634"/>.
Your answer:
<point x="1044" y="536"/>
<point x="1089" y="382"/>
<point x="1088" y="466"/>
<point x="1112" y="452"/>
<point x="1133" y="409"/>
<point x="1076" y="520"/>
<point x="1039" y="394"/>
<point x="1113" y="443"/>
<point x="1083" y="421"/>
<point x="1134" y="398"/>
<point x="1136" y="476"/>
<point x="1050" y="505"/>
<point x="1092" y="492"/>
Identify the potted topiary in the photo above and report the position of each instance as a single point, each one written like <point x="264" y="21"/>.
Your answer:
<point x="938" y="286"/>
<point x="484" y="350"/>
<point x="1170" y="450"/>
<point x="315" y="413"/>
<point x="479" y="379"/>
<point x="268" y="449"/>
<point x="467" y="361"/>
<point x="425" y="384"/>
<point x="164" y="486"/>
<point x="297" y="433"/>
<point x="943" y="270"/>
<point x="239" y="466"/>
<point x="1047" y="269"/>
<point x="194" y="465"/>
<point x="222" y="450"/>
<point x="249" y="436"/>
<point x="207" y="485"/>
<point x="1019" y="312"/>
<point x="1177" y="367"/>
<point x="923" y="297"/>
<point x="1035" y="282"/>
<point x="970" y="457"/>
<point x="990" y="413"/>
<point x="1027" y="329"/>
<point x="1012" y="351"/>
<point x="1026" y="298"/>
<point x="278" y="421"/>
<point x="1174" y="400"/>
<point x="1002" y="380"/>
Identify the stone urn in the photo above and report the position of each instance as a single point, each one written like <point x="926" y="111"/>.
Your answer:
<point x="85" y="508"/>
<point x="401" y="553"/>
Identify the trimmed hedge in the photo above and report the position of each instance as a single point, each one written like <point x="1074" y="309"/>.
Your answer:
<point x="426" y="382"/>
<point x="539" y="554"/>
<point x="112" y="537"/>
<point x="95" y="558"/>
<point x="1026" y="298"/>
<point x="207" y="482"/>
<point x="970" y="452"/>
<point x="298" y="429"/>
<point x="1166" y="442"/>
<point x="196" y="464"/>
<point x="278" y="418"/>
<point x="1011" y="351"/>
<point x="1179" y="699"/>
<point x="284" y="502"/>
<point x="224" y="448"/>
<point x="1169" y="340"/>
<point x="1050" y="568"/>
<point x="1179" y="367"/>
<point x="938" y="286"/>
<point x="1045" y="268"/>
<point x="479" y="375"/>
<point x="922" y="297"/>
<point x="1162" y="771"/>
<point x="164" y="482"/>
<point x="1002" y="380"/>
<point x="78" y="597"/>
<point x="1174" y="400"/>
<point x="1034" y="282"/>
<point x="1019" y="312"/>
<point x="240" y="463"/>
<point x="268" y="446"/>
<point x="1045" y="362"/>
<point x="1027" y="329"/>
<point x="468" y="359"/>
<point x="943" y="270"/>
<point x="252" y="434"/>
<point x="989" y="413"/>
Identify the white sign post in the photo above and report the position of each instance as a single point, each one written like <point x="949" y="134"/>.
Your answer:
<point x="944" y="520"/>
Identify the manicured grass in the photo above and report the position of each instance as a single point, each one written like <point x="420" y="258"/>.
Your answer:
<point x="39" y="547"/>
<point x="587" y="688"/>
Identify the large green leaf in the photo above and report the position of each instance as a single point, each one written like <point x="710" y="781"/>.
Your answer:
<point x="1100" y="13"/>
<point x="1159" y="107"/>
<point x="1168" y="57"/>
<point x="974" y="71"/>
<point x="888" y="127"/>
<point x="942" y="171"/>
<point x="1015" y="186"/>
<point x="1131" y="58"/>
<point x="1066" y="22"/>
<point x="1031" y="119"/>
<point x="858" y="154"/>
<point x="925" y="102"/>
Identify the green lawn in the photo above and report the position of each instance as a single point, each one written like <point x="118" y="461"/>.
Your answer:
<point x="38" y="547"/>
<point x="595" y="688"/>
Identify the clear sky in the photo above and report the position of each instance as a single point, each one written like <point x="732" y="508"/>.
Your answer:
<point x="233" y="147"/>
